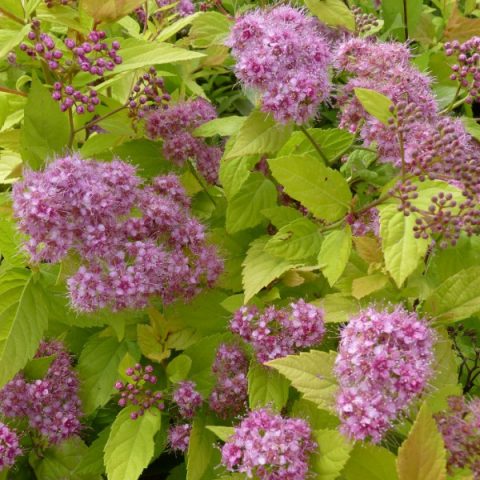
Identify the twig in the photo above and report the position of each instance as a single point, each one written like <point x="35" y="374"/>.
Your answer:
<point x="314" y="143"/>
<point x="11" y="16"/>
<point x="12" y="91"/>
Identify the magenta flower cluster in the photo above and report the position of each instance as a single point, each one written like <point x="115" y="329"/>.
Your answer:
<point x="269" y="446"/>
<point x="179" y="437"/>
<point x="138" y="391"/>
<point x="51" y="404"/>
<point x="467" y="69"/>
<point x="133" y="240"/>
<point x="282" y="53"/>
<point x="383" y="363"/>
<point x="187" y="399"/>
<point x="69" y="97"/>
<point x="9" y="447"/>
<point x="175" y="126"/>
<point x="460" y="428"/>
<point x="278" y="332"/>
<point x="229" y="396"/>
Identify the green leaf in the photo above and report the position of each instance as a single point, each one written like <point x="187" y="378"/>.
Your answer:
<point x="235" y="172"/>
<point x="37" y="368"/>
<point x="266" y="387"/>
<point x="225" y="127"/>
<point x="9" y="39"/>
<point x="333" y="452"/>
<point x="281" y="216"/>
<point x="334" y="254"/>
<point x="298" y="240"/>
<point x="317" y="418"/>
<point x="370" y="462"/>
<point x="311" y="373"/>
<point x="332" y="12"/>
<point x="320" y="189"/>
<point x="260" y="268"/>
<point x="211" y="28"/>
<point x="130" y="445"/>
<point x="333" y="142"/>
<point x="259" y="134"/>
<point x="472" y="127"/>
<point x="364" y="286"/>
<point x="201" y="450"/>
<point x="402" y="251"/>
<point x="375" y="103"/>
<point x="422" y="455"/>
<point x="394" y="9"/>
<point x="60" y="461"/>
<point x="244" y="208"/>
<point x="178" y="368"/>
<point x="223" y="433"/>
<point x="176" y="26"/>
<point x="92" y="460"/>
<point x="98" y="370"/>
<point x="9" y="244"/>
<point x="109" y="10"/>
<point x="45" y="128"/>
<point x="456" y="298"/>
<point x="338" y="308"/>
<point x="23" y="320"/>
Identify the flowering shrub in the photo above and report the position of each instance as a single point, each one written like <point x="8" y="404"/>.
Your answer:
<point x="239" y="240"/>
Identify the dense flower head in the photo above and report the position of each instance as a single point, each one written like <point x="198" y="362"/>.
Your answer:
<point x="278" y="332"/>
<point x="187" y="399"/>
<point x="230" y="367"/>
<point x="386" y="68"/>
<point x="179" y="437"/>
<point x="366" y="223"/>
<point x="51" y="404"/>
<point x="9" y="447"/>
<point x="383" y="363"/>
<point x="283" y="54"/>
<point x="138" y="391"/>
<point x="134" y="240"/>
<point x="466" y="70"/>
<point x="175" y="126"/>
<point x="460" y="428"/>
<point x="269" y="446"/>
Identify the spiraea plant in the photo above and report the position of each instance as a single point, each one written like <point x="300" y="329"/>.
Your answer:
<point x="239" y="240"/>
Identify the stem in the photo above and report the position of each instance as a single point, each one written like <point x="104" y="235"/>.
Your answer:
<point x="99" y="119"/>
<point x="13" y="92"/>
<point x="314" y="143"/>
<point x="11" y="16"/>
<point x="72" y="128"/>
<point x="199" y="180"/>
<point x="405" y="19"/>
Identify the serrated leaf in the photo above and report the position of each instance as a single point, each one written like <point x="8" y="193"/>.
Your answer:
<point x="178" y="368"/>
<point x="109" y="10"/>
<point x="332" y="12"/>
<point x="211" y="28"/>
<point x="23" y="320"/>
<point x="259" y="134"/>
<point x="402" y="251"/>
<point x="370" y="462"/>
<point x="334" y="254"/>
<point x="97" y="367"/>
<point x="201" y="450"/>
<point x="333" y="452"/>
<point x="45" y="129"/>
<point x="266" y="387"/>
<point x="311" y="373"/>
<point x="422" y="455"/>
<point x="244" y="208"/>
<point x="299" y="240"/>
<point x="234" y="173"/>
<point x="375" y="103"/>
<point x="260" y="268"/>
<point x="149" y="343"/>
<point x="320" y="189"/>
<point x="332" y="141"/>
<point x="456" y="298"/>
<point x="223" y="433"/>
<point x="225" y="127"/>
<point x="130" y="445"/>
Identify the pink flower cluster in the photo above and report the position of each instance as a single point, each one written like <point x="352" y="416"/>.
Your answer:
<point x="383" y="363"/>
<point x="9" y="447"/>
<point x="187" y="398"/>
<point x="175" y="126"/>
<point x="51" y="404"/>
<point x="133" y="240"/>
<point x="179" y="437"/>
<point x="460" y="428"/>
<point x="269" y="446"/>
<point x="278" y="332"/>
<point x="282" y="53"/>
<point x="229" y="396"/>
<point x="138" y="392"/>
